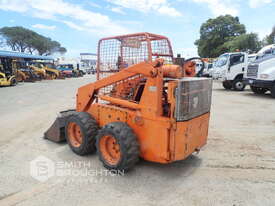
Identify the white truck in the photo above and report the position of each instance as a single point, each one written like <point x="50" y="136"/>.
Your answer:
<point x="230" y="68"/>
<point x="260" y="74"/>
<point x="251" y="58"/>
<point x="208" y="66"/>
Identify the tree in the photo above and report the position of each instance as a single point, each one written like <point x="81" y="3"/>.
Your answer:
<point x="214" y="33"/>
<point x="270" y="39"/>
<point x="45" y="46"/>
<point x="16" y="37"/>
<point x="245" y="42"/>
<point x="25" y="40"/>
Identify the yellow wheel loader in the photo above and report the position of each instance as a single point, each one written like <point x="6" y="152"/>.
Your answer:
<point x="40" y="72"/>
<point x="52" y="72"/>
<point x="24" y="72"/>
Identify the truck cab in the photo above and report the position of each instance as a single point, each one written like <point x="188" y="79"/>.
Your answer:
<point x="260" y="74"/>
<point x="230" y="68"/>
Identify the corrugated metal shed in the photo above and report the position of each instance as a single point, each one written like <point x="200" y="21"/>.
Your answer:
<point x="23" y="55"/>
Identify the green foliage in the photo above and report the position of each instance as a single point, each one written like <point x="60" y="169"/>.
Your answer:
<point x="226" y="34"/>
<point x="244" y="42"/>
<point x="25" y="40"/>
<point x="16" y="37"/>
<point x="270" y="39"/>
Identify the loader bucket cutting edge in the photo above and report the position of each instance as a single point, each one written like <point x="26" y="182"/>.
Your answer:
<point x="56" y="132"/>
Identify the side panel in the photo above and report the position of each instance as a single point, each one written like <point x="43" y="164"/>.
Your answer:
<point x="189" y="136"/>
<point x="235" y="71"/>
<point x="153" y="134"/>
<point x="154" y="139"/>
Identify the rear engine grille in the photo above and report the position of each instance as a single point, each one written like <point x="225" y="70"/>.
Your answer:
<point x="193" y="98"/>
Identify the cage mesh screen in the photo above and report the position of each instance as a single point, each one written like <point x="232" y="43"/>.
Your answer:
<point x="117" y="54"/>
<point x="124" y="89"/>
<point x="122" y="52"/>
<point x="161" y="49"/>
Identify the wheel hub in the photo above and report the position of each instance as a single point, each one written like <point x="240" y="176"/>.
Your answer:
<point x="239" y="85"/>
<point x="110" y="149"/>
<point x="75" y="134"/>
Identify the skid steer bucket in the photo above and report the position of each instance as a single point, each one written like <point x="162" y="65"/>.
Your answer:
<point x="56" y="132"/>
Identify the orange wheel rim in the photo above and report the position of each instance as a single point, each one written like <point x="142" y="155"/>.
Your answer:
<point x="110" y="149"/>
<point x="75" y="134"/>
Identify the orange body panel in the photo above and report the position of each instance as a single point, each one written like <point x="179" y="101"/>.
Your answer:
<point x="160" y="139"/>
<point x="189" y="136"/>
<point x="173" y="71"/>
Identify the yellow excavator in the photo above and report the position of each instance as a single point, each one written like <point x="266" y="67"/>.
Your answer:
<point x="7" y="74"/>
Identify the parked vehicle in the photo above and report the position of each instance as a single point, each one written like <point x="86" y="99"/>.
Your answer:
<point x="260" y="74"/>
<point x="29" y="74"/>
<point x="251" y="57"/>
<point x="91" y="71"/>
<point x="207" y="70"/>
<point x="7" y="74"/>
<point x="230" y="68"/>
<point x="38" y="70"/>
<point x="68" y="70"/>
<point x="148" y="109"/>
<point x="51" y="71"/>
<point x="212" y="69"/>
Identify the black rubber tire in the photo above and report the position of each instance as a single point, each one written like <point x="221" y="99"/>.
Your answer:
<point x="272" y="90"/>
<point x="258" y="90"/>
<point x="227" y="85"/>
<point x="13" y="82"/>
<point x="89" y="129"/>
<point x="127" y="140"/>
<point x="236" y="87"/>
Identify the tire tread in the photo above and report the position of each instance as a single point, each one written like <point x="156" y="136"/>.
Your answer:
<point x="128" y="143"/>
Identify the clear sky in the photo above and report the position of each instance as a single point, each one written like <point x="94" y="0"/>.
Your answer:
<point x="79" y="24"/>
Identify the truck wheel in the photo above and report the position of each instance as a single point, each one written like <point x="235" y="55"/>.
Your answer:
<point x="258" y="90"/>
<point x="227" y="85"/>
<point x="80" y="131"/>
<point x="117" y="146"/>
<point x="272" y="90"/>
<point x="238" y="85"/>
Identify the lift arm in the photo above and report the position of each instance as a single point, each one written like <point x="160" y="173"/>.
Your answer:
<point x="87" y="94"/>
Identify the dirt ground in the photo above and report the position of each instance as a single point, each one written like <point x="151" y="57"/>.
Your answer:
<point x="237" y="166"/>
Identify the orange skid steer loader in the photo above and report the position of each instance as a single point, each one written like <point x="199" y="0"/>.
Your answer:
<point x="142" y="105"/>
